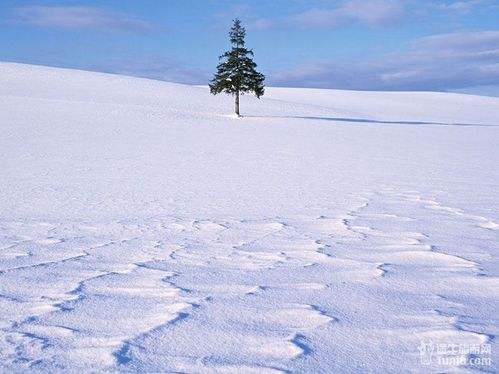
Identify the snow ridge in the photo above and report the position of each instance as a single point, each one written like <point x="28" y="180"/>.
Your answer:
<point x="137" y="302"/>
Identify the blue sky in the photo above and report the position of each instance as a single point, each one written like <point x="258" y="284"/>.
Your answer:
<point x="439" y="45"/>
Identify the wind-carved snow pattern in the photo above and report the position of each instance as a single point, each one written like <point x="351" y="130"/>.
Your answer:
<point x="253" y="295"/>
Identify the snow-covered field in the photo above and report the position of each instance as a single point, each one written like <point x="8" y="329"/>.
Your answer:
<point x="142" y="228"/>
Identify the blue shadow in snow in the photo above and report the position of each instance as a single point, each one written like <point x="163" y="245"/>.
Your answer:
<point x="364" y="120"/>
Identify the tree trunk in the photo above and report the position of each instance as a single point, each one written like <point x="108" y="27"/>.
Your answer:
<point x="237" y="103"/>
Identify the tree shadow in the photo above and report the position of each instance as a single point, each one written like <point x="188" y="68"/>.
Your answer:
<point x="363" y="120"/>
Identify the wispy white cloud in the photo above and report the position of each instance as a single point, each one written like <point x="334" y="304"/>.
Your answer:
<point x="439" y="62"/>
<point x="333" y="14"/>
<point x="79" y="17"/>
<point x="462" y="6"/>
<point x="365" y="12"/>
<point x="467" y="41"/>
<point x="368" y="12"/>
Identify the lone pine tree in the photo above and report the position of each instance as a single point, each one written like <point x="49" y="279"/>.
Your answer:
<point x="236" y="72"/>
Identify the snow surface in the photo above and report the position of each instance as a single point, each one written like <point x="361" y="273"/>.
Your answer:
<point x="143" y="228"/>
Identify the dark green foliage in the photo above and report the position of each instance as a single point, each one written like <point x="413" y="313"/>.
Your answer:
<point x="236" y="72"/>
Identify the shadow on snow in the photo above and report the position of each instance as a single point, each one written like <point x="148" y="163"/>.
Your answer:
<point x="363" y="120"/>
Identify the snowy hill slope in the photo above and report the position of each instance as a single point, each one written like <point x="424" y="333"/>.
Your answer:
<point x="144" y="228"/>
<point x="171" y="144"/>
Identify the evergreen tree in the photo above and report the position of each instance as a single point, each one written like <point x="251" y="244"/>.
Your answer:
<point x="236" y="72"/>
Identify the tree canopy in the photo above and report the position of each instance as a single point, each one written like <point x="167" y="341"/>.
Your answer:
<point x="236" y="73"/>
